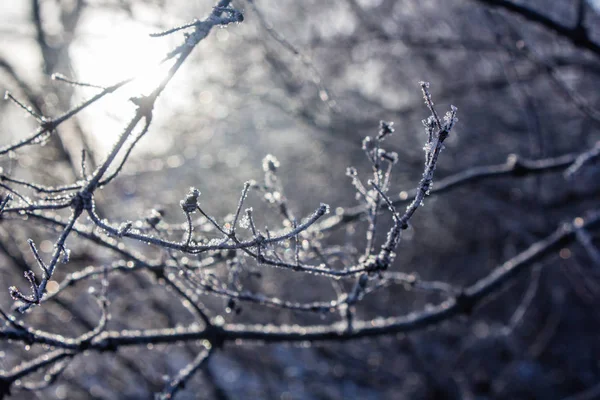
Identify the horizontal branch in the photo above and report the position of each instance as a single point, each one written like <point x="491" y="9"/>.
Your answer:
<point x="464" y="302"/>
<point x="514" y="166"/>
<point x="577" y="34"/>
<point x="220" y="245"/>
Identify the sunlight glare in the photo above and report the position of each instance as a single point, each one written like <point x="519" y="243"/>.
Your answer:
<point x="113" y="48"/>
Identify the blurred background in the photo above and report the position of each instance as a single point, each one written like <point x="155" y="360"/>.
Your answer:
<point x="306" y="81"/>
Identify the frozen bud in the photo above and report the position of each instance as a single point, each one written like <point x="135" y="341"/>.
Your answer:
<point x="390" y="156"/>
<point x="428" y="122"/>
<point x="270" y="163"/>
<point x="154" y="218"/>
<point x="450" y="118"/>
<point x="124" y="228"/>
<point x="15" y="294"/>
<point x="385" y="128"/>
<point x="190" y="203"/>
<point x="351" y="171"/>
<point x="368" y="144"/>
<point x="245" y="222"/>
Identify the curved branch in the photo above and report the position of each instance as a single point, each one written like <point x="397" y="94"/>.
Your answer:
<point x="577" y="34"/>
